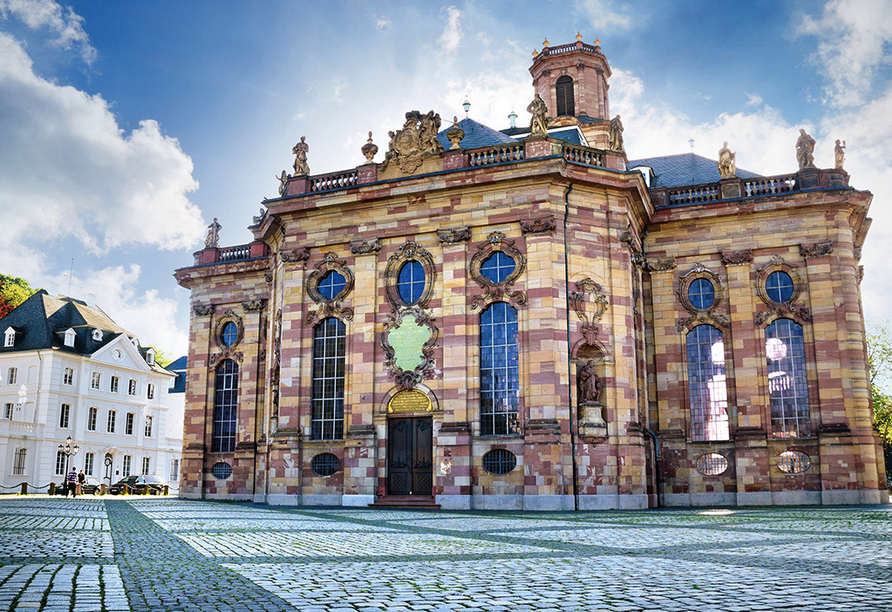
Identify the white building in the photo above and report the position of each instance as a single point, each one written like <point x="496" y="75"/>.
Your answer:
<point x="66" y="369"/>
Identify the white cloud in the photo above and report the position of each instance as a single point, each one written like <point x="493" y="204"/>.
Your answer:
<point x="855" y="40"/>
<point x="452" y="32"/>
<point x="382" y="23"/>
<point x="753" y="99"/>
<point x="65" y="23"/>
<point x="74" y="171"/>
<point x="602" y="15"/>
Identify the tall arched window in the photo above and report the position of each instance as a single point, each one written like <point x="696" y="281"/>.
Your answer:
<point x="499" y="371"/>
<point x="787" y="381"/>
<point x="225" y="407"/>
<point x="564" y="93"/>
<point x="329" y="358"/>
<point x="707" y="389"/>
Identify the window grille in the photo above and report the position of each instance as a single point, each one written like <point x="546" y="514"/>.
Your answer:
<point x="329" y="361"/>
<point x="566" y="105"/>
<point x="325" y="464"/>
<point x="499" y="370"/>
<point x="793" y="462"/>
<point x="499" y="461"/>
<point x="225" y="407"/>
<point x="18" y="466"/>
<point x="787" y="380"/>
<point x="712" y="464"/>
<point x="221" y="470"/>
<point x="707" y="388"/>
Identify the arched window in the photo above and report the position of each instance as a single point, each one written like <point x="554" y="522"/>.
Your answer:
<point x="329" y="358"/>
<point x="564" y="93"/>
<point x="225" y="407"/>
<point x="787" y="381"/>
<point x="499" y="371"/>
<point x="707" y="389"/>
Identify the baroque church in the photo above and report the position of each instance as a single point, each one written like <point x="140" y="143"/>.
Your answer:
<point x="526" y="319"/>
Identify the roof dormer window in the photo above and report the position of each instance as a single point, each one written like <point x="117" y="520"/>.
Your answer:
<point x="69" y="337"/>
<point x="97" y="335"/>
<point x="150" y="356"/>
<point x="9" y="337"/>
<point x="135" y="343"/>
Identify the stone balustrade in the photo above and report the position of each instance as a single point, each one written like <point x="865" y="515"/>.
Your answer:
<point x="242" y="252"/>
<point x="495" y="155"/>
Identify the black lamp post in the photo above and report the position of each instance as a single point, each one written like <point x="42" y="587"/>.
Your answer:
<point x="69" y="450"/>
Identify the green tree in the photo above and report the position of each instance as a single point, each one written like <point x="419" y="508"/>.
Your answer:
<point x="13" y="291"/>
<point x="879" y="359"/>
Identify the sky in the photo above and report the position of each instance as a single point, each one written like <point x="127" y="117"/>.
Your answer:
<point x="127" y="127"/>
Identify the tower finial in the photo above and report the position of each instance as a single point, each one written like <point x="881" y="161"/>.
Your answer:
<point x="578" y="36"/>
<point x="545" y="44"/>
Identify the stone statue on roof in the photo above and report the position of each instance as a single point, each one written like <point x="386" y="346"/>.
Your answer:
<point x="539" y="122"/>
<point x="727" y="162"/>
<point x="805" y="148"/>
<point x="839" y="154"/>
<point x="416" y="140"/>
<point x="213" y="238"/>
<point x="616" y="135"/>
<point x="300" y="151"/>
<point x="283" y="183"/>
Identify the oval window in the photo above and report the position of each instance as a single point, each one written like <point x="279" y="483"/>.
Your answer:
<point x="499" y="461"/>
<point x="712" y="464"/>
<point x="497" y="267"/>
<point x="793" y="462"/>
<point x="331" y="285"/>
<point x="701" y="293"/>
<point x="229" y="335"/>
<point x="221" y="470"/>
<point x="779" y="287"/>
<point x="410" y="282"/>
<point x="325" y="464"/>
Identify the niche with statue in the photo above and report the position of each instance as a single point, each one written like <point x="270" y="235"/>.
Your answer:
<point x="590" y="389"/>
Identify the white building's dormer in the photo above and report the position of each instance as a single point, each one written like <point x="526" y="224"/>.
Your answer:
<point x="69" y="337"/>
<point x="150" y="356"/>
<point x="135" y="342"/>
<point x="9" y="337"/>
<point x="97" y="335"/>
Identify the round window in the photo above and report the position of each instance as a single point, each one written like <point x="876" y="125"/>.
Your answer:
<point x="221" y="470"/>
<point x="793" y="462"/>
<point x="779" y="287"/>
<point x="410" y="282"/>
<point x="229" y="335"/>
<point x="499" y="461"/>
<point x="325" y="464"/>
<point x="701" y="293"/>
<point x="497" y="267"/>
<point x="712" y="464"/>
<point x="331" y="285"/>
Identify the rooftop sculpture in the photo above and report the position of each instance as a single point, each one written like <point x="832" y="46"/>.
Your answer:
<point x="416" y="140"/>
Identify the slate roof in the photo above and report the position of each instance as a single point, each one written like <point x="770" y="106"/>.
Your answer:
<point x="476" y="135"/>
<point x="178" y="367"/>
<point x="684" y="169"/>
<point x="567" y="134"/>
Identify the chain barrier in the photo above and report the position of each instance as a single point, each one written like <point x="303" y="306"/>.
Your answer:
<point x="30" y="486"/>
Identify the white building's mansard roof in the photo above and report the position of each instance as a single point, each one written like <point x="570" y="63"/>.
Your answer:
<point x="68" y="325"/>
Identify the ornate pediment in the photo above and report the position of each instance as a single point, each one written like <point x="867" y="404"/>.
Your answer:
<point x="416" y="140"/>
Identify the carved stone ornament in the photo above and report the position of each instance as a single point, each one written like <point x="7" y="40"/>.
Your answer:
<point x="369" y="149"/>
<point x="268" y="277"/>
<point x="577" y="303"/>
<point x="203" y="310"/>
<point x="415" y="141"/>
<point x="454" y="235"/>
<point x="455" y="134"/>
<point x="409" y="339"/>
<point x="542" y="225"/>
<point x="329" y="307"/>
<point x="253" y="305"/>
<point x="295" y="256"/>
<point x="789" y="308"/>
<point x="496" y="292"/>
<point x="222" y="356"/>
<point x="818" y="249"/>
<point x="410" y="251"/>
<point x="737" y="258"/>
<point x="663" y="264"/>
<point x="370" y="246"/>
<point x="706" y="315"/>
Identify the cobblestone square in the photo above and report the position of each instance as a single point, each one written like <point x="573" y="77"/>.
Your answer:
<point x="116" y="554"/>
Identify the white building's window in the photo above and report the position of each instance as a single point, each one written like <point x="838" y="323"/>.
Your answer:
<point x="94" y="383"/>
<point x="69" y="337"/>
<point x="131" y="388"/>
<point x="7" y="411"/>
<point x="89" y="459"/>
<point x="174" y="470"/>
<point x="148" y="427"/>
<point x="145" y="466"/>
<point x="12" y="376"/>
<point x="60" y="463"/>
<point x="64" y="416"/>
<point x="92" y="417"/>
<point x="150" y="356"/>
<point x="18" y="466"/>
<point x="68" y="377"/>
<point x="150" y="394"/>
<point x="113" y="385"/>
<point x="110" y="425"/>
<point x="128" y="424"/>
<point x="9" y="338"/>
<point x="125" y="471"/>
<point x="97" y="335"/>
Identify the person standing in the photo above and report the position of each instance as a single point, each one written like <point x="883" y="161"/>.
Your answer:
<point x="72" y="484"/>
<point x="81" y="479"/>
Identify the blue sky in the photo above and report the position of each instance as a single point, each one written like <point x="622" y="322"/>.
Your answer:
<point x="127" y="127"/>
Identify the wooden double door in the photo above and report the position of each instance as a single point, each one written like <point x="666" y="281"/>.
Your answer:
<point x="410" y="466"/>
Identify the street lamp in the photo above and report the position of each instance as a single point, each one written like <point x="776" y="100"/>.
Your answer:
<point x="69" y="450"/>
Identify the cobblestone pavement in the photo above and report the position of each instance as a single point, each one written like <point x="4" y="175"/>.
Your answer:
<point x="148" y="554"/>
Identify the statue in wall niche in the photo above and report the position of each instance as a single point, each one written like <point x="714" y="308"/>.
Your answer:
<point x="300" y="151"/>
<point x="727" y="162"/>
<point x="839" y="153"/>
<point x="539" y="122"/>
<point x="616" y="135"/>
<point x="283" y="183"/>
<point x="213" y="237"/>
<point x="589" y="383"/>
<point x="805" y="149"/>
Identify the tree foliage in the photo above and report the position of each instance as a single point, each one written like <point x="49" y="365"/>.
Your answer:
<point x="879" y="359"/>
<point x="13" y="291"/>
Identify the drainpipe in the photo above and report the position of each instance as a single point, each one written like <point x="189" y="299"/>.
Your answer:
<point x="569" y="349"/>
<point x="657" y="483"/>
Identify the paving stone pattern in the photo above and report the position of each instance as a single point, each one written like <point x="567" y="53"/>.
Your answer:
<point x="177" y="555"/>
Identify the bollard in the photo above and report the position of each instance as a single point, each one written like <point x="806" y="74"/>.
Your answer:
<point x="102" y="489"/>
<point x="166" y="489"/>
<point x="52" y="490"/>
<point x="24" y="488"/>
<point x="126" y="490"/>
